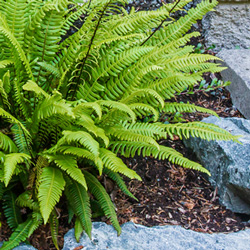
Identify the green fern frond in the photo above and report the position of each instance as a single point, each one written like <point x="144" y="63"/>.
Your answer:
<point x="25" y="200"/>
<point x="12" y="119"/>
<point x="6" y="82"/>
<point x="72" y="17"/>
<point x="142" y="94"/>
<point x="119" y="181"/>
<point x="80" y="203"/>
<point x="68" y="164"/>
<point x="19" y="55"/>
<point x="37" y="221"/>
<point x="50" y="69"/>
<point x="114" y="163"/>
<point x="127" y="135"/>
<point x="129" y="149"/>
<point x="111" y="66"/>
<point x="20" y="100"/>
<point x="4" y="96"/>
<point x="32" y="86"/>
<point x="7" y="144"/>
<point x="22" y="140"/>
<point x="175" y="30"/>
<point x="172" y="84"/>
<point x="5" y="63"/>
<point x="81" y="137"/>
<point x="173" y="107"/>
<point x="10" y="163"/>
<point x="54" y="225"/>
<point x="120" y="106"/>
<point x="19" y="235"/>
<point x="102" y="197"/>
<point x="199" y="129"/>
<point x="15" y="11"/>
<point x="154" y="130"/>
<point x="50" y="190"/>
<point x="79" y="152"/>
<point x="78" y="229"/>
<point x="88" y="107"/>
<point x="51" y="106"/>
<point x="11" y="211"/>
<point x="41" y="163"/>
<point x="142" y="109"/>
<point x="89" y="125"/>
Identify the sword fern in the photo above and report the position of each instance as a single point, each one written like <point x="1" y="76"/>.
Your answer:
<point x="70" y="105"/>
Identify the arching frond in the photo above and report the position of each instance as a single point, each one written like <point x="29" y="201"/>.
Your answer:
<point x="20" y="234"/>
<point x="11" y="211"/>
<point x="7" y="144"/>
<point x="54" y="226"/>
<point x="129" y="149"/>
<point x="102" y="197"/>
<point x="10" y="163"/>
<point x="112" y="162"/>
<point x="69" y="164"/>
<point x="84" y="138"/>
<point x="25" y="200"/>
<point x="32" y="86"/>
<point x="127" y="135"/>
<point x="80" y="203"/>
<point x="50" y="190"/>
<point x="199" y="129"/>
<point x="119" y="181"/>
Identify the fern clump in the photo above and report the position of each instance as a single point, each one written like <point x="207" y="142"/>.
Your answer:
<point x="69" y="106"/>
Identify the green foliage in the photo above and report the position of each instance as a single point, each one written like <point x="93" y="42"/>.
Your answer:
<point x="69" y="106"/>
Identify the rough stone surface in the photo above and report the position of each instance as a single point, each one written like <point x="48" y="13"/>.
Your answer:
<point x="21" y="247"/>
<point x="228" y="26"/>
<point x="228" y="163"/>
<point x="238" y="73"/>
<point x="138" y="237"/>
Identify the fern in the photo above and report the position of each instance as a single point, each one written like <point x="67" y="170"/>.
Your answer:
<point x="106" y="204"/>
<point x="11" y="211"/>
<point x="7" y="144"/>
<point x="119" y="181"/>
<point x="50" y="190"/>
<point x="185" y="107"/>
<point x="10" y="164"/>
<point x="79" y="200"/>
<point x="19" y="235"/>
<point x="69" y="165"/>
<point x="54" y="224"/>
<point x="70" y="105"/>
<point x="78" y="229"/>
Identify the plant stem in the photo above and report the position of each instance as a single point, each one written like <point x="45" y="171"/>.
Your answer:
<point x="159" y="26"/>
<point x="89" y="48"/>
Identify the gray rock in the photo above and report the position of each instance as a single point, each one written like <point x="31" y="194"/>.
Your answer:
<point x="238" y="73"/>
<point x="228" y="163"/>
<point x="138" y="237"/>
<point x="228" y="26"/>
<point x="21" y="247"/>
